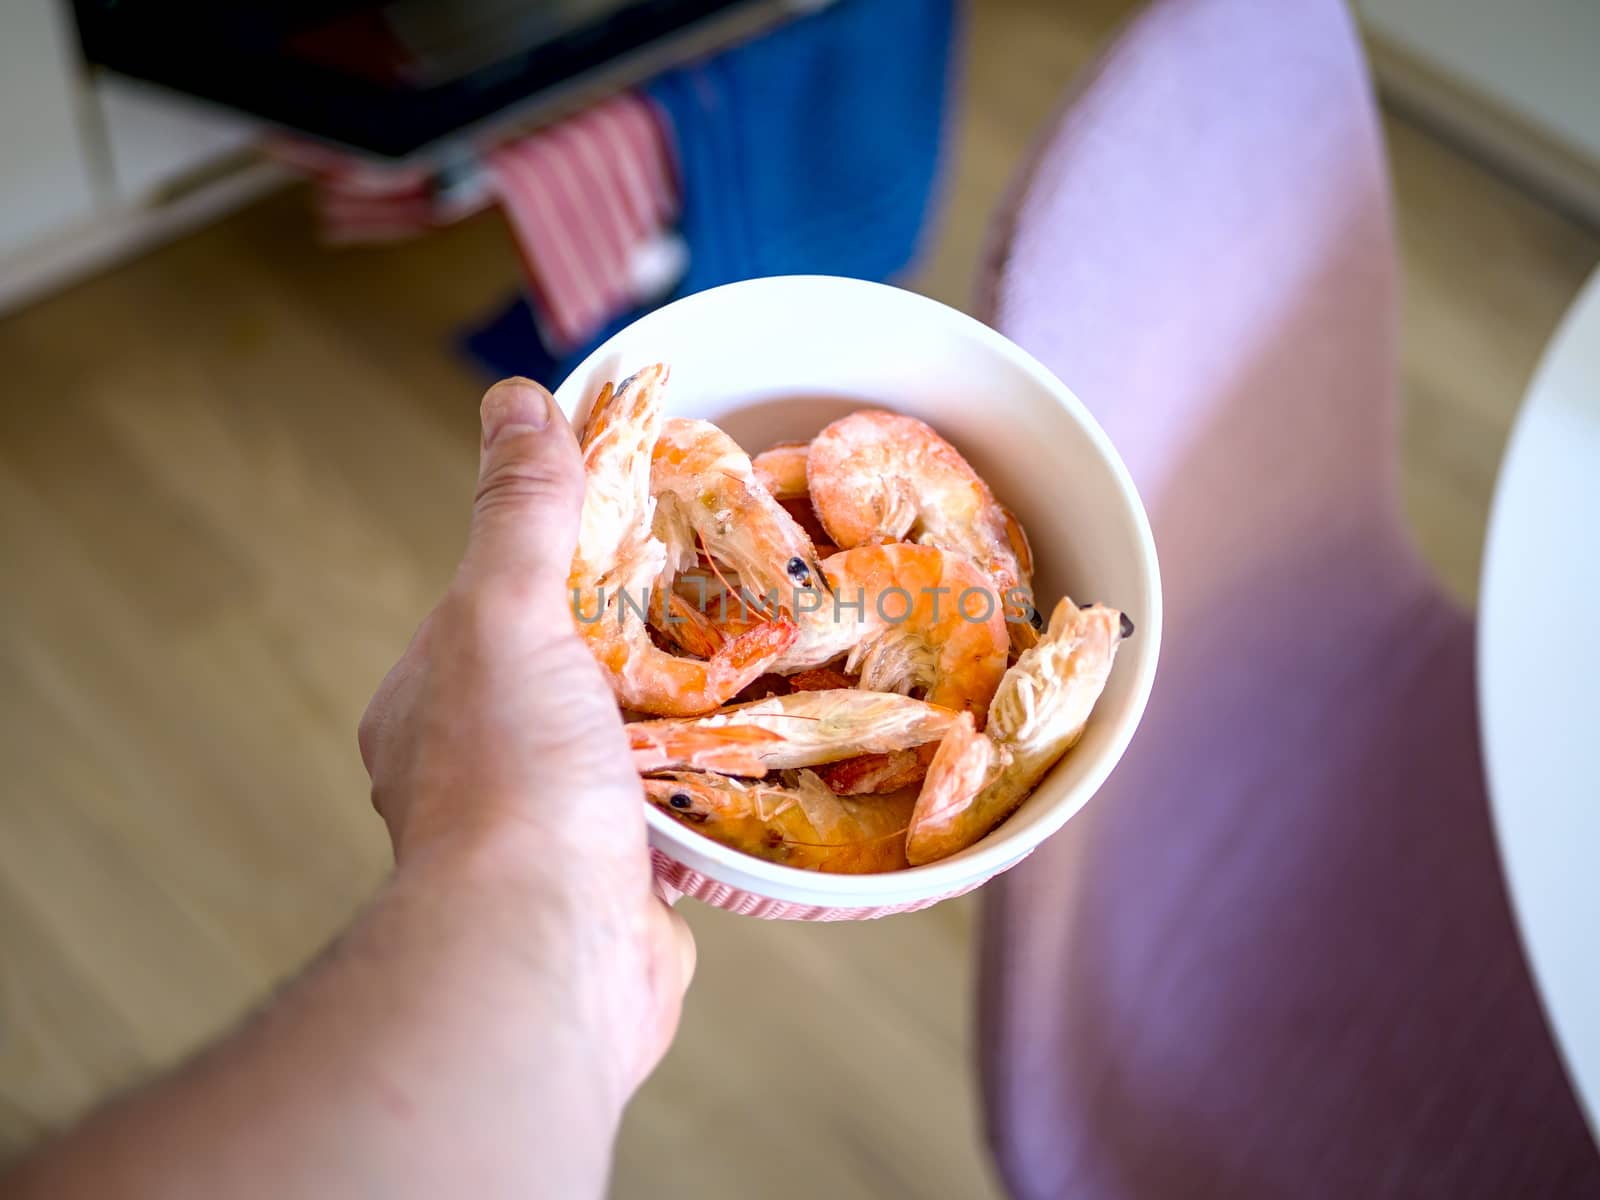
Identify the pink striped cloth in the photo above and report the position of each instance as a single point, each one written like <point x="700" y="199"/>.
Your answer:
<point x="358" y="201"/>
<point x="584" y="198"/>
<point x="673" y="880"/>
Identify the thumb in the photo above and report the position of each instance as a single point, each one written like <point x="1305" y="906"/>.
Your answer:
<point x="530" y="492"/>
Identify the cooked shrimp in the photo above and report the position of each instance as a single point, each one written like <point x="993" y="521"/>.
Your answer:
<point x="820" y="679"/>
<point x="695" y="795"/>
<point x="1017" y="537"/>
<point x="1025" y="631"/>
<point x="802" y="729"/>
<point x="706" y="491"/>
<point x="701" y="624"/>
<point x="702" y="610"/>
<point x="875" y="774"/>
<point x="618" y="560"/>
<point x="907" y="617"/>
<point x="782" y="470"/>
<point x="801" y="824"/>
<point x="687" y="626"/>
<point x="806" y="517"/>
<point x="867" y="774"/>
<point x="964" y="764"/>
<point x="878" y="476"/>
<point x="977" y="780"/>
<point x="764" y="688"/>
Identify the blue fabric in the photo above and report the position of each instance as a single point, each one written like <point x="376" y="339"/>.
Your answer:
<point x="812" y="150"/>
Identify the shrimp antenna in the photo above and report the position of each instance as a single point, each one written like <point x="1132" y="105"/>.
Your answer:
<point x="847" y="845"/>
<point x="705" y="553"/>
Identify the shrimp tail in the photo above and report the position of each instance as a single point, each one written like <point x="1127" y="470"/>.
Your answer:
<point x="741" y="660"/>
<point x="631" y="403"/>
<point x="753" y="651"/>
<point x="602" y="413"/>
<point x="686" y="627"/>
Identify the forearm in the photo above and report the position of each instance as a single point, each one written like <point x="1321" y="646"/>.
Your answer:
<point x="445" y="1046"/>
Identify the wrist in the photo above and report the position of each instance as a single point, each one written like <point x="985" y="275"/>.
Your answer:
<point x="555" y="955"/>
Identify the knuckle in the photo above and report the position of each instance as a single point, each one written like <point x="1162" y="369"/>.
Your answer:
<point x="522" y="480"/>
<point x="367" y="738"/>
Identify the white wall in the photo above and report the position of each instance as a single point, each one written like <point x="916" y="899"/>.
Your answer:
<point x="45" y="179"/>
<point x="1537" y="59"/>
<point x="154" y="138"/>
<point x="95" y="167"/>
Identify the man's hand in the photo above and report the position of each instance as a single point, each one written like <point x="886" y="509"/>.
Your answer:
<point x="497" y="734"/>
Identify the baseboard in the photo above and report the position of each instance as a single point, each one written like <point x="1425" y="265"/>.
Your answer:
<point x="1552" y="170"/>
<point x="111" y="238"/>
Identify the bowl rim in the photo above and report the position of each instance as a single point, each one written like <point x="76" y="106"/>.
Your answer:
<point x="998" y="851"/>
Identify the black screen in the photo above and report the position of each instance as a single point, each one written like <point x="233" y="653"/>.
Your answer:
<point x="384" y="78"/>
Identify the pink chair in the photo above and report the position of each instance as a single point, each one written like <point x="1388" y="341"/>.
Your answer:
<point x="1274" y="956"/>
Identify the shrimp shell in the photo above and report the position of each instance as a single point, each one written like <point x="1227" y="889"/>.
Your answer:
<point x="706" y="489"/>
<point x="977" y="780"/>
<point x="782" y="470"/>
<point x="802" y="729"/>
<point x="800" y="824"/>
<point x="922" y="637"/>
<point x="618" y="560"/>
<point x="878" y="476"/>
<point x="876" y="774"/>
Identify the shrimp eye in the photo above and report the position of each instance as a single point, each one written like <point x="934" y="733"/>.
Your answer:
<point x="680" y="800"/>
<point x="1034" y="618"/>
<point x="1127" y="627"/>
<point x="798" y="571"/>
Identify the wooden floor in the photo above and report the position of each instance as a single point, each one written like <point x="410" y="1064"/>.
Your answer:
<point x="234" y="473"/>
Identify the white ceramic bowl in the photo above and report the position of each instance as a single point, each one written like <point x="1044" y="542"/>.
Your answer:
<point x="777" y="359"/>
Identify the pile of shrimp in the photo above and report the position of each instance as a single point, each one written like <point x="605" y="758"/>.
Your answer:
<point x="828" y="654"/>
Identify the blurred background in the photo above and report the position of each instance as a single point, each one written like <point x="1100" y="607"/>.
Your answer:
<point x="257" y="263"/>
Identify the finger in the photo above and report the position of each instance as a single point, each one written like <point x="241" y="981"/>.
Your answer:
<point x="530" y="492"/>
